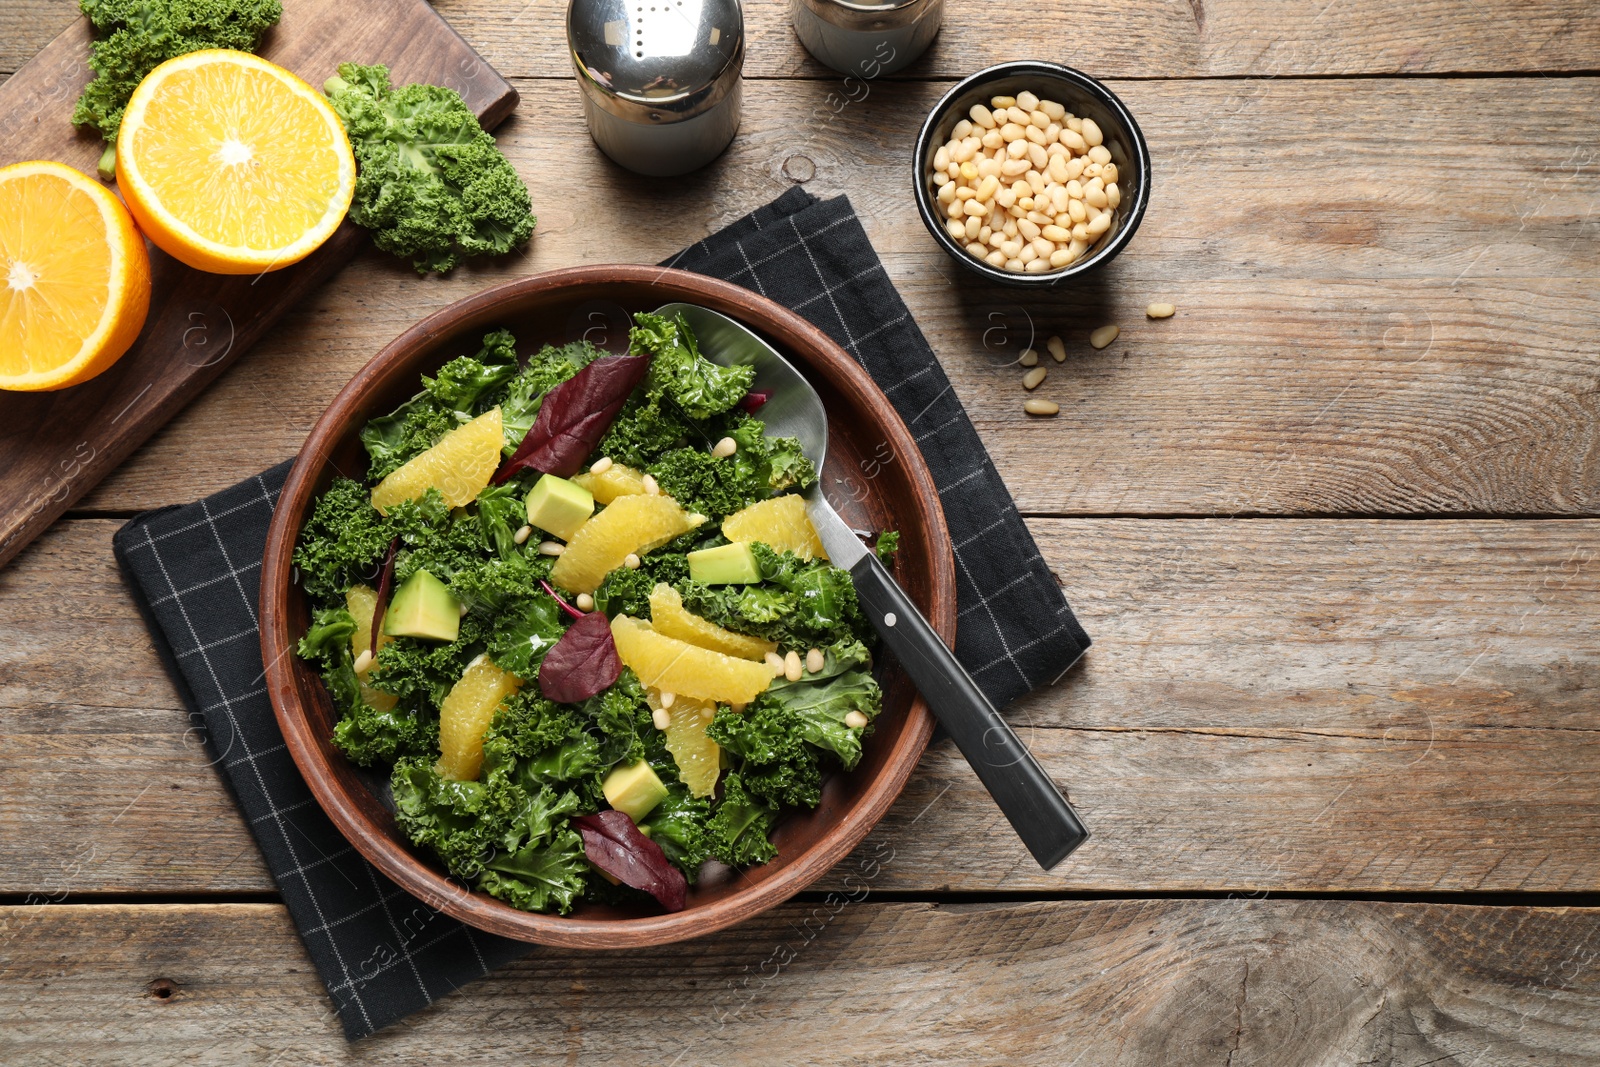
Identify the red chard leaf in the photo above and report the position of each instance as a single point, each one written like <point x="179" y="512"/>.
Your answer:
<point x="574" y="416"/>
<point x="616" y="846"/>
<point x="385" y="586"/>
<point x="754" y="399"/>
<point x="584" y="662"/>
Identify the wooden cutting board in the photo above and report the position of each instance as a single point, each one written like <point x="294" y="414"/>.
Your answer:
<point x="54" y="447"/>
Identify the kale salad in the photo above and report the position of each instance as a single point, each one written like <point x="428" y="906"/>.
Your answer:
<point x="578" y="612"/>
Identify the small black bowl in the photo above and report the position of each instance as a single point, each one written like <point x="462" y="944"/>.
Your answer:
<point x="1081" y="95"/>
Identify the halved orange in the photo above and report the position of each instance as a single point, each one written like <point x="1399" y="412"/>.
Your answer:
<point x="74" y="277"/>
<point x="232" y="164"/>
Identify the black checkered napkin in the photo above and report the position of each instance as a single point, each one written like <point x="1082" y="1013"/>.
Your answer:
<point x="1014" y="629"/>
<point x="195" y="571"/>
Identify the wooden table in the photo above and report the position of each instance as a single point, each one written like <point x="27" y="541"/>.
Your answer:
<point x="1333" y="528"/>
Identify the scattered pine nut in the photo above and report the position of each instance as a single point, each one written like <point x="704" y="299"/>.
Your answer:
<point x="667" y="699"/>
<point x="791" y="666"/>
<point x="631" y="561"/>
<point x="601" y="465"/>
<point x="464" y="609"/>
<point x="1030" y="358"/>
<point x="725" y="448"/>
<point x="855" y="719"/>
<point x="737" y="708"/>
<point x="774" y="664"/>
<point x="661" y="717"/>
<point x="1037" y="406"/>
<point x="651" y="486"/>
<point x="1160" y="311"/>
<point x="551" y="548"/>
<point x="1058" y="349"/>
<point x="363" y="661"/>
<point x="1104" y="335"/>
<point x="1032" y="379"/>
<point x="585" y="602"/>
<point x="815" y="661"/>
<point x="522" y="535"/>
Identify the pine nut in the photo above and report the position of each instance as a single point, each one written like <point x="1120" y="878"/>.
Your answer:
<point x="1053" y="109"/>
<point x="973" y="227"/>
<point x="465" y="607"/>
<point x="974" y="208"/>
<point x="1038" y="266"/>
<point x="1026" y="101"/>
<point x="1032" y="379"/>
<point x="815" y="661"/>
<point x="996" y="258"/>
<point x="791" y="666"/>
<point x="855" y="719"/>
<point x="666" y="699"/>
<point x="1113" y="196"/>
<point x="969" y="172"/>
<point x="1104" y="335"/>
<point x="1058" y="350"/>
<point x="651" y="486"/>
<point x="631" y="561"/>
<point x="1039" y="406"/>
<point x="982" y="116"/>
<point x="941" y="158"/>
<point x="585" y="602"/>
<point x="1074" y="140"/>
<point x="1029" y="358"/>
<point x="961" y="129"/>
<point x="1099" y="154"/>
<point x="661" y="717"/>
<point x="991" y="140"/>
<point x="1100" y="224"/>
<point x="987" y="188"/>
<point x="1092" y="134"/>
<point x="551" y="548"/>
<point x="1062" y="257"/>
<point x="603" y="464"/>
<point x="955" y="229"/>
<point x="1014" y="266"/>
<point x="1160" y="311"/>
<point x="363" y="661"/>
<point x="522" y="535"/>
<point x="774" y="664"/>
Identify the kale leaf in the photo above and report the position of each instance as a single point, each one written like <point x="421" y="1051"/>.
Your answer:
<point x="137" y="36"/>
<point x="432" y="185"/>
<point x="738" y="828"/>
<point x="718" y="487"/>
<point x="694" y="385"/>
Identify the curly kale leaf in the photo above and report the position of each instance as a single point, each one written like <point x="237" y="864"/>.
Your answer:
<point x="679" y="374"/>
<point x="643" y="431"/>
<point x="463" y="389"/>
<point x="627" y="591"/>
<point x="365" y="733"/>
<point x="679" y="825"/>
<point x="344" y="540"/>
<point x="136" y="36"/>
<point x="738" y="829"/>
<point x="432" y="186"/>
<point x="887" y="544"/>
<point x="540" y="877"/>
<point x="799" y="604"/>
<point x="759" y="467"/>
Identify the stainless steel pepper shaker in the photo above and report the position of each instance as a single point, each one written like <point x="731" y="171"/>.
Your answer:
<point x="865" y="38"/>
<point x="660" y="79"/>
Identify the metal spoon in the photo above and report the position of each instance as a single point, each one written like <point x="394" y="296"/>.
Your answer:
<point x="1035" y="807"/>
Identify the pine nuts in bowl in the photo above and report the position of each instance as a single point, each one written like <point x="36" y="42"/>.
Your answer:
<point x="1029" y="173"/>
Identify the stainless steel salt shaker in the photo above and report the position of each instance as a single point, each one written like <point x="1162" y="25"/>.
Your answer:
<point x="660" y="79"/>
<point x="865" y="38"/>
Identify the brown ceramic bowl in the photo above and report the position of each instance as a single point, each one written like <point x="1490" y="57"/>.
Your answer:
<point x="556" y="307"/>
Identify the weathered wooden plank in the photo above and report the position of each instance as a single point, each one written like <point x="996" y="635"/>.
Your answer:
<point x="1392" y="322"/>
<point x="1269" y="705"/>
<point x="1312" y="983"/>
<point x="1142" y="38"/>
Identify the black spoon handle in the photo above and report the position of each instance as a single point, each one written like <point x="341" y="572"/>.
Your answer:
<point x="1026" y="795"/>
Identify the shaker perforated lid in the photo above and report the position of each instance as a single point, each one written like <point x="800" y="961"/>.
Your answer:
<point x="656" y="61"/>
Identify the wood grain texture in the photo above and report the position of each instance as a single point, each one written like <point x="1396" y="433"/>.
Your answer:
<point x="1393" y="322"/>
<point x="1095" y="984"/>
<point x="56" y="445"/>
<point x="1269" y="705"/>
<point x="1140" y="38"/>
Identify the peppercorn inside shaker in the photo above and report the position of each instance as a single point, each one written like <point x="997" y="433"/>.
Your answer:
<point x="660" y="79"/>
<point x="866" y="39"/>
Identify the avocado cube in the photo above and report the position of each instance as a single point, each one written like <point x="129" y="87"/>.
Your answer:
<point x="731" y="564"/>
<point x="559" y="506"/>
<point x="634" y="791"/>
<point x="423" y="607"/>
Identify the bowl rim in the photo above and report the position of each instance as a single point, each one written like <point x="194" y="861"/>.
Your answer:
<point x="401" y="863"/>
<point x="1091" y="85"/>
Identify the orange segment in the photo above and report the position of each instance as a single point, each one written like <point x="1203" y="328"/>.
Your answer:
<point x="459" y="465"/>
<point x="699" y="758"/>
<point x="232" y="164"/>
<point x="668" y="616"/>
<point x="362" y="601"/>
<point x="74" y="277"/>
<point x="616" y="480"/>
<point x="628" y="524"/>
<point x="686" y="670"/>
<point x="465" y="716"/>
<point x="780" y="523"/>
